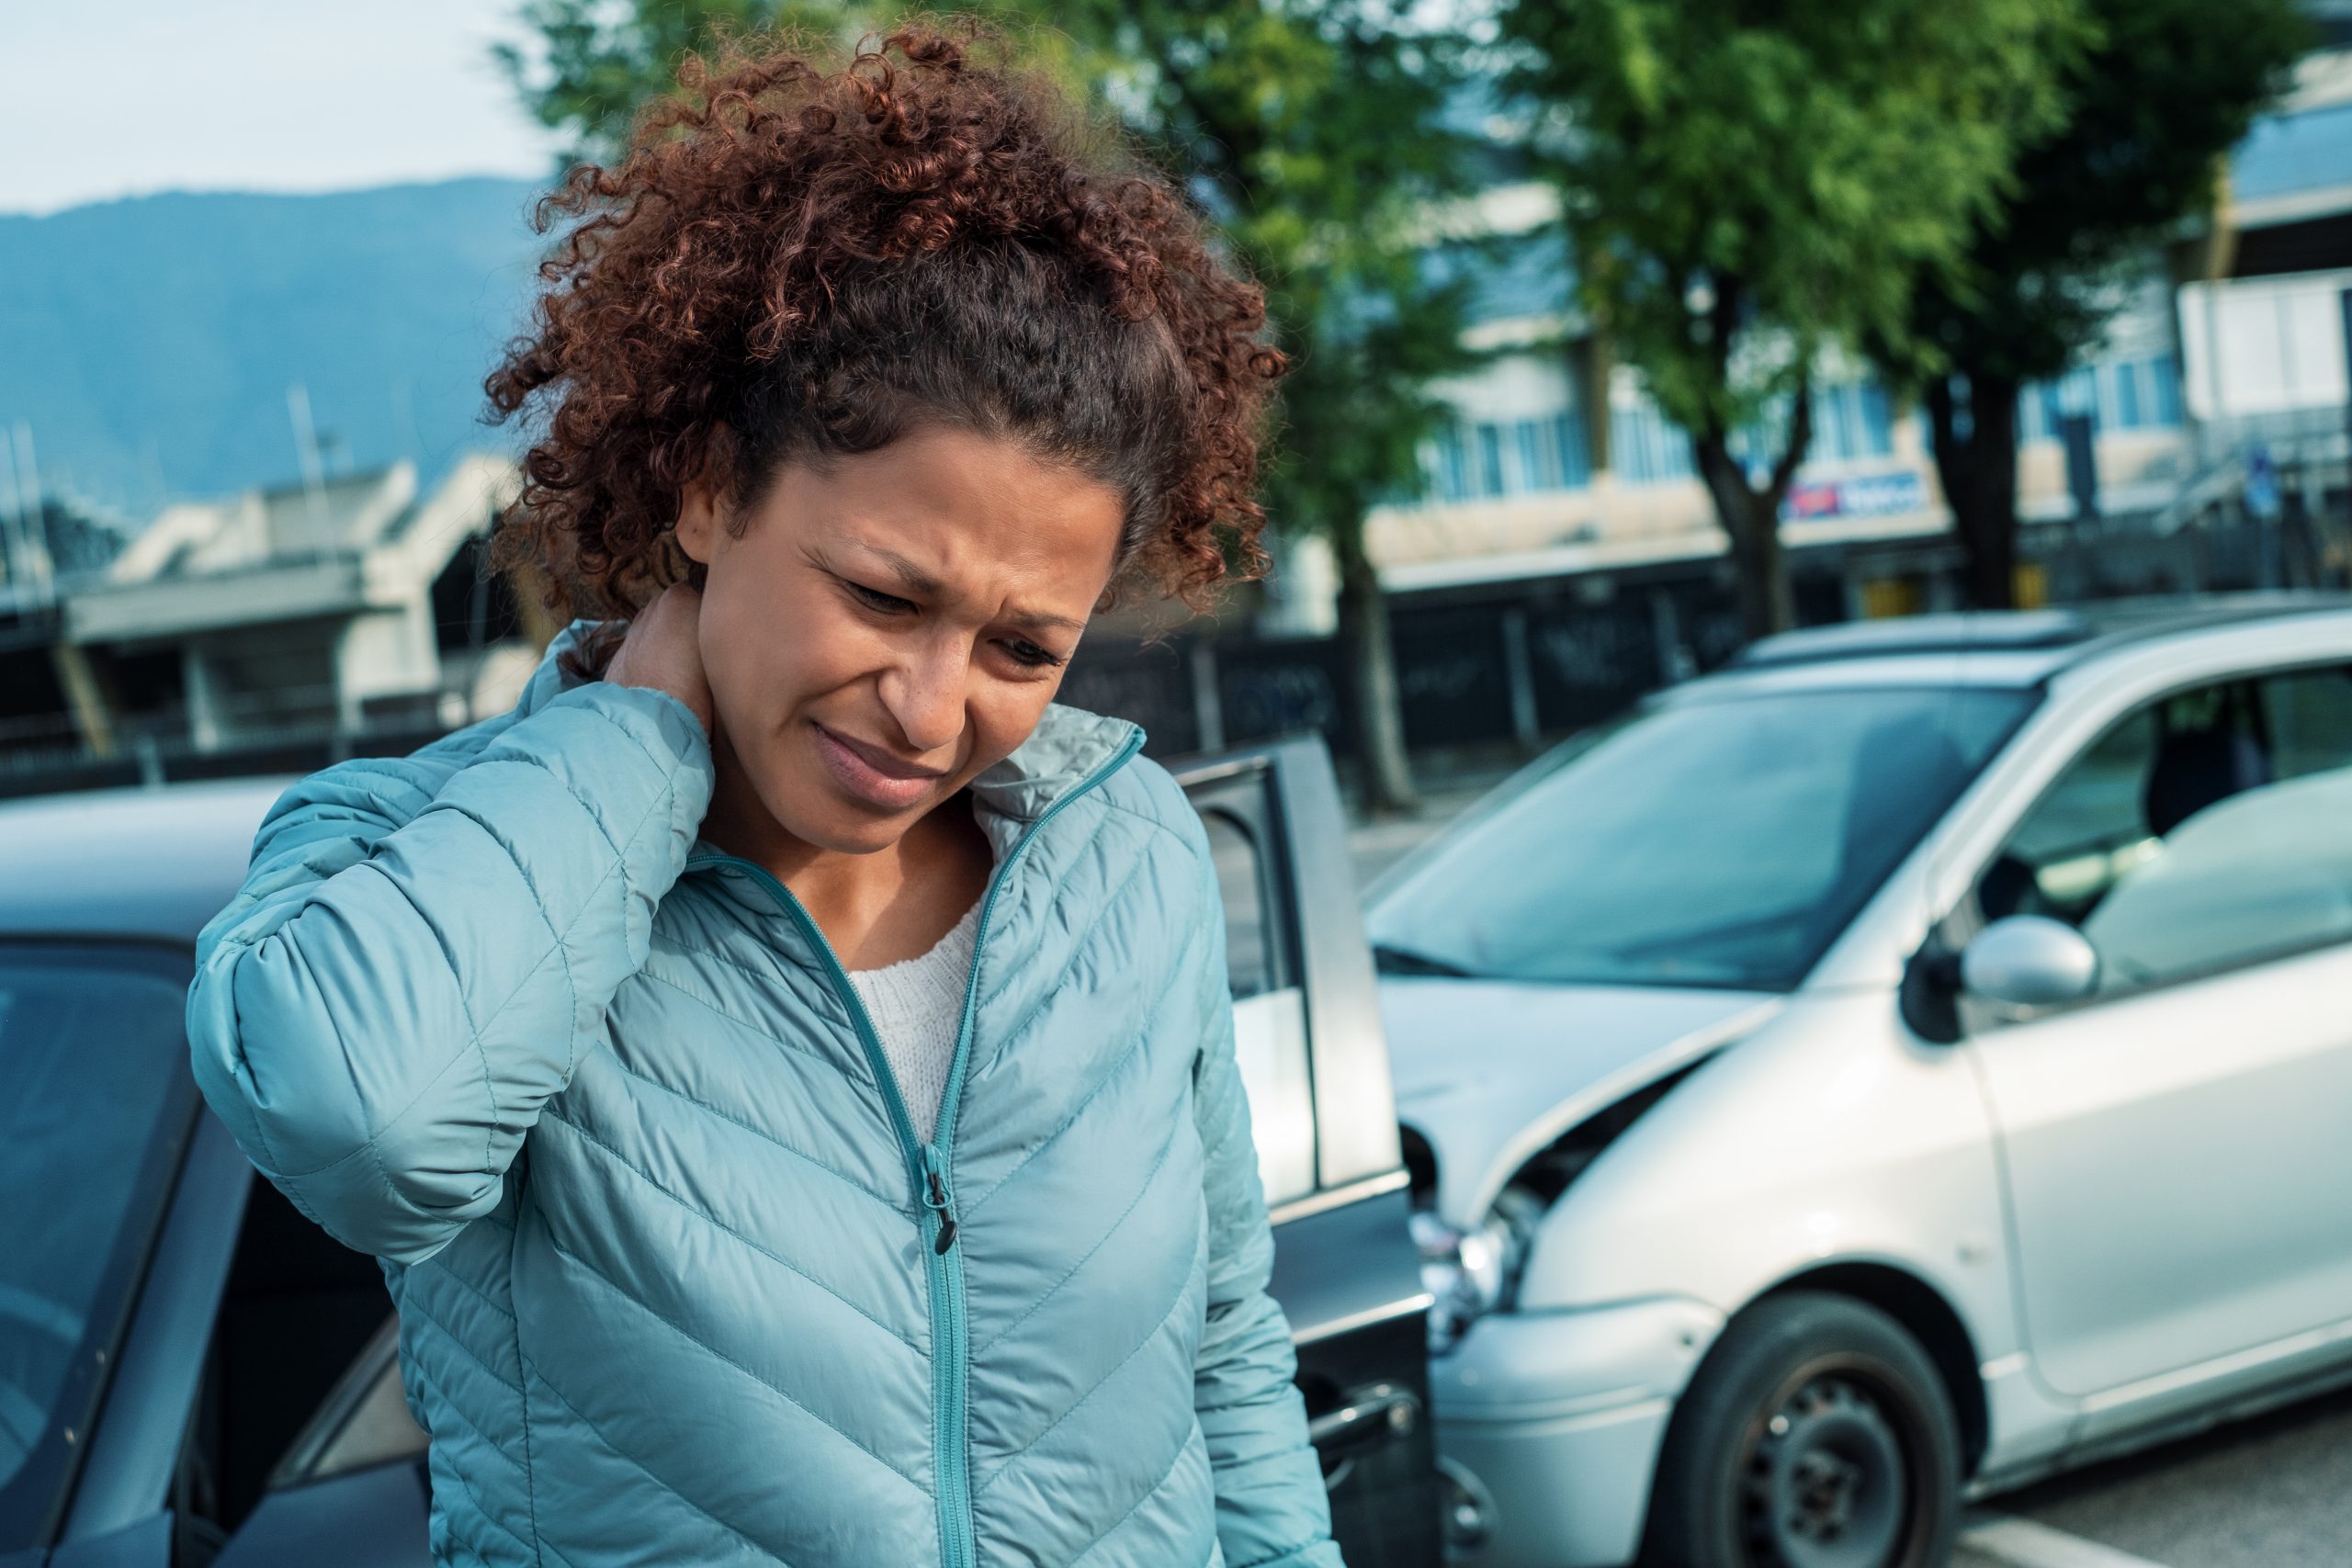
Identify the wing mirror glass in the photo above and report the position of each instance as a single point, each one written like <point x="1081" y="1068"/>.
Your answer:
<point x="2030" y="961"/>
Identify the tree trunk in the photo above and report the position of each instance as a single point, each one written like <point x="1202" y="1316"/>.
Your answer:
<point x="1980" y="479"/>
<point x="1372" y="669"/>
<point x="1752" y="520"/>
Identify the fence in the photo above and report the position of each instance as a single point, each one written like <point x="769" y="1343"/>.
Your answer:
<point x="1511" y="666"/>
<point x="1495" y="669"/>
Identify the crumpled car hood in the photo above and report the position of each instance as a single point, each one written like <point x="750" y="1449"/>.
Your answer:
<point x="1491" y="1071"/>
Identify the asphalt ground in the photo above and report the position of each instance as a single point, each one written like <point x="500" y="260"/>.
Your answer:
<point x="2273" y="1492"/>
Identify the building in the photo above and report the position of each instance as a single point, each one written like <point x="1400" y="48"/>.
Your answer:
<point x="1558" y="462"/>
<point x="2264" y="330"/>
<point x="289" y="621"/>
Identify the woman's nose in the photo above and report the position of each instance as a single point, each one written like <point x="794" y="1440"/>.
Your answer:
<point x="924" y="694"/>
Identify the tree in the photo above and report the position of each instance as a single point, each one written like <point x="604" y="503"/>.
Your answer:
<point x="596" y="64"/>
<point x="2151" y="111"/>
<point x="1313" y="133"/>
<point x="1747" y="184"/>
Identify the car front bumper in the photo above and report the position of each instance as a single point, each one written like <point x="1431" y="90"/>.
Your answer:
<point x="1551" y="1421"/>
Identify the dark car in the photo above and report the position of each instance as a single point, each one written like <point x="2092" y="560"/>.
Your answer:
<point x="192" y="1374"/>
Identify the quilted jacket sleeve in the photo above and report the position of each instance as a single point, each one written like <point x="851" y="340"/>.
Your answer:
<point x="422" y="947"/>
<point x="1271" y="1511"/>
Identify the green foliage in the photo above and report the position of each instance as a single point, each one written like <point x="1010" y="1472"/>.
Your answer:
<point x="1308" y="129"/>
<point x="2150" y="113"/>
<point x="1749" y="182"/>
<point x="1312" y="132"/>
<point x="601" y="64"/>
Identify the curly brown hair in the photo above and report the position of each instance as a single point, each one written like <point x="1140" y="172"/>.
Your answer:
<point x="792" y="265"/>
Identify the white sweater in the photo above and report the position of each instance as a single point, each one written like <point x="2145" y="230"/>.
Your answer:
<point x="917" y="1006"/>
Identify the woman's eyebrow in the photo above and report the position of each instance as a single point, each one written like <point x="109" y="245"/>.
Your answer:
<point x="916" y="580"/>
<point x="911" y="577"/>
<point x="1038" y="620"/>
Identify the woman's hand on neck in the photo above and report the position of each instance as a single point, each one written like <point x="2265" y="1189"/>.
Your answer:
<point x="663" y="651"/>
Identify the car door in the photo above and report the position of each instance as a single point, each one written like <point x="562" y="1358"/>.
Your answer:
<point x="2174" y="1141"/>
<point x="351" y="1488"/>
<point x="1308" y="1036"/>
<point x="98" y="1120"/>
<point x="255" y="1418"/>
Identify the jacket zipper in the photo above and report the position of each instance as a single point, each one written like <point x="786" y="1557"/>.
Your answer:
<point x="928" y="1165"/>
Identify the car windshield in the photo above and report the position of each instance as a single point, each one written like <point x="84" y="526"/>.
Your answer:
<point x="92" y="1050"/>
<point x="1718" y="840"/>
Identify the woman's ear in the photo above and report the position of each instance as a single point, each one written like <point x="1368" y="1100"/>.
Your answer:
<point x="702" y="500"/>
<point x="698" y="520"/>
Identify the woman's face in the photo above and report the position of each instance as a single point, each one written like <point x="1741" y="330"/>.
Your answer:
<point x="878" y="631"/>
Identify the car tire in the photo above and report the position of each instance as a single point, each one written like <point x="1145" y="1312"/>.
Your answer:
<point x="1816" y="1434"/>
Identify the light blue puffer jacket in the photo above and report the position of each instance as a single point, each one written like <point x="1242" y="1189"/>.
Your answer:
<point x="676" y="1282"/>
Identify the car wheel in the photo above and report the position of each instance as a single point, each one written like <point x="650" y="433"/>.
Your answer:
<point x="1816" y="1434"/>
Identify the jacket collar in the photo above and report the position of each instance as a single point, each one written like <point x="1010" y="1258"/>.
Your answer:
<point x="1068" y="747"/>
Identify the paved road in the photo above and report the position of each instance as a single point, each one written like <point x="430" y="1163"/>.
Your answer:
<point x="2275" y="1492"/>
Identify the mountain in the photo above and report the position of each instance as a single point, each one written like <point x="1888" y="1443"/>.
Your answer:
<point x="149" y="342"/>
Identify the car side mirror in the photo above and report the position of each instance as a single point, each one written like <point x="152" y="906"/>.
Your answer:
<point x="2030" y="961"/>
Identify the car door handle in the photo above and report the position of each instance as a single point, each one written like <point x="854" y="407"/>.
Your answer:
<point x="1373" y="1412"/>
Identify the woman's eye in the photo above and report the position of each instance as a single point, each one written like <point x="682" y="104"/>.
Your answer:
<point x="1030" y="654"/>
<point x="875" y="599"/>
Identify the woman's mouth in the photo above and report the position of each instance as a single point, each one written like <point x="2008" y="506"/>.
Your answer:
<point x="871" y="774"/>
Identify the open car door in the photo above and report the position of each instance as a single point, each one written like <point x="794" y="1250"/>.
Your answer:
<point x="1307" y="1031"/>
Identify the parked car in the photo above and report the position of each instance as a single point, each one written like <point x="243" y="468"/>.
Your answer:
<point x="191" y="1373"/>
<point x="1906" y="1064"/>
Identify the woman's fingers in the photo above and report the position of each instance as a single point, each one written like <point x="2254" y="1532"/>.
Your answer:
<point x="663" y="651"/>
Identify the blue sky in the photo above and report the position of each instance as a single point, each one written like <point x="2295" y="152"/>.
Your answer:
<point x="105" y="98"/>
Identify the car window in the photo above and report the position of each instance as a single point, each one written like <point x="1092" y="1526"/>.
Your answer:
<point x="2309" y="716"/>
<point x="364" y="1420"/>
<point x="1270" y="1038"/>
<point x="92" y="1050"/>
<point x="1240" y="877"/>
<point x="1722" y="841"/>
<point x="2209" y="828"/>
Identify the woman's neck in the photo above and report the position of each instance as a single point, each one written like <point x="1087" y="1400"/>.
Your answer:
<point x="873" y="909"/>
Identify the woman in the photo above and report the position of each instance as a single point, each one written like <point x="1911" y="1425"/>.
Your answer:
<point x="786" y="1064"/>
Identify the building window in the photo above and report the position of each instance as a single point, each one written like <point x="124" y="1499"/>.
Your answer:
<point x="1878" y="420"/>
<point x="2165" y="372"/>
<point x="1567" y="440"/>
<point x="2078" y="392"/>
<point x="1852" y="441"/>
<point x="1627" y="451"/>
<point x="1647" y="448"/>
<point x="1453" y="464"/>
<point x="1829" y="443"/>
<point x="1490" y="460"/>
<point x="2124" y="394"/>
<point x="1851" y="420"/>
<point x="1539" y="459"/>
<point x="2126" y="379"/>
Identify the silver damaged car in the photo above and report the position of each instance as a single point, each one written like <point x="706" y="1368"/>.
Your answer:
<point x="1914" y="1060"/>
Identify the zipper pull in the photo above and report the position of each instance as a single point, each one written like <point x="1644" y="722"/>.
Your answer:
<point x="938" y="1200"/>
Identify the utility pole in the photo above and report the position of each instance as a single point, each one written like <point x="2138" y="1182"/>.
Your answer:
<point x="12" y="540"/>
<point x="31" y="531"/>
<point x="306" y="443"/>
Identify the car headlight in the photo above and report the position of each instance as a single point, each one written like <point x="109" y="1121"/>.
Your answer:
<point x="1469" y="1273"/>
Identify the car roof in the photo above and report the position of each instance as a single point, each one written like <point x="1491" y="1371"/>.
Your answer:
<point x="152" y="864"/>
<point x="2016" y="647"/>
